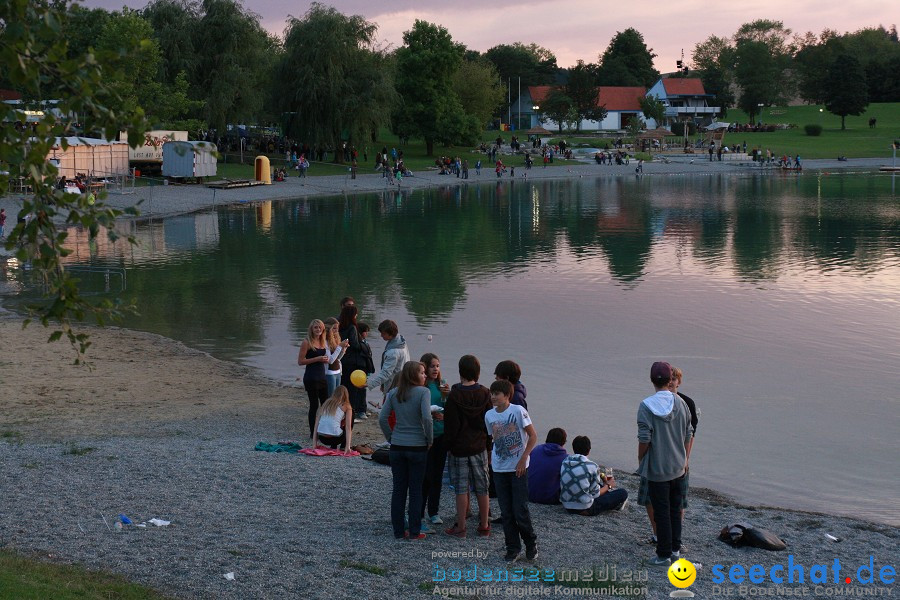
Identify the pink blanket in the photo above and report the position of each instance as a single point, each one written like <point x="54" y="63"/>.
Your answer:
<point x="323" y="451"/>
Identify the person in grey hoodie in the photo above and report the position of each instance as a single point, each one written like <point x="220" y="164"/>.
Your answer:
<point x="395" y="355"/>
<point x="664" y="434"/>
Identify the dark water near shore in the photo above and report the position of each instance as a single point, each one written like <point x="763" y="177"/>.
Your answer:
<point x="779" y="297"/>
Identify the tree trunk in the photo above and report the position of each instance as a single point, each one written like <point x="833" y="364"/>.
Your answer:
<point x="429" y="146"/>
<point x="842" y="122"/>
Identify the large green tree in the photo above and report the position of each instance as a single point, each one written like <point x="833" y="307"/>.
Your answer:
<point x="713" y="61"/>
<point x="426" y="64"/>
<point x="534" y="64"/>
<point x="846" y="88"/>
<point x="774" y="64"/>
<point x="36" y="61"/>
<point x="757" y="72"/>
<point x="331" y="80"/>
<point x="581" y="88"/>
<point x="627" y="61"/>
<point x="557" y="107"/>
<point x="174" y="24"/>
<point x="235" y="60"/>
<point x="478" y="88"/>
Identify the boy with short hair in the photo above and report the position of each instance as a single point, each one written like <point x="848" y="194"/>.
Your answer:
<point x="582" y="490"/>
<point x="467" y="442"/>
<point x="514" y="438"/>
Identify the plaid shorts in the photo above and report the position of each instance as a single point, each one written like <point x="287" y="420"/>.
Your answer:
<point x="643" y="497"/>
<point x="468" y="471"/>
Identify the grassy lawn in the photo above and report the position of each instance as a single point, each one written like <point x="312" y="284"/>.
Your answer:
<point x="28" y="579"/>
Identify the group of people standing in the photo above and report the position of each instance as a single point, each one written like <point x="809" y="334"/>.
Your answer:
<point x="486" y="439"/>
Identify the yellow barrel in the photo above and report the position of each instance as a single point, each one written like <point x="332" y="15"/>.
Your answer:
<point x="262" y="172"/>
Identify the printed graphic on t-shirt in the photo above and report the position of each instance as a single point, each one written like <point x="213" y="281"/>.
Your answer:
<point x="507" y="439"/>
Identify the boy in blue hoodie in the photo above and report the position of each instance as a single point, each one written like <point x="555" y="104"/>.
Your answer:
<point x="543" y="468"/>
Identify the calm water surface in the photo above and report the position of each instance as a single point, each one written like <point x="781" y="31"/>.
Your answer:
<point x="777" y="296"/>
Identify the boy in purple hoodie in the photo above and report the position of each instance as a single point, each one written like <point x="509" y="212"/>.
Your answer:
<point x="544" y="466"/>
<point x="510" y="371"/>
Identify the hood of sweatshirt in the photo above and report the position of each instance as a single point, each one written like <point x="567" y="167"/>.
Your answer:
<point x="661" y="403"/>
<point x="550" y="450"/>
<point x="519" y="388"/>
<point x="398" y="343"/>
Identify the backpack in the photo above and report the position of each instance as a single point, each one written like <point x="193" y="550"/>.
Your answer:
<point x="744" y="534"/>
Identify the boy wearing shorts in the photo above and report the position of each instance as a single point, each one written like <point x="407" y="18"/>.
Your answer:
<point x="514" y="438"/>
<point x="467" y="441"/>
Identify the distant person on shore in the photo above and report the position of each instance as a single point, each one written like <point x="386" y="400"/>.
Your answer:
<point x="467" y="441"/>
<point x="514" y="438"/>
<point x="314" y="357"/>
<point x="510" y="371"/>
<point x="437" y="454"/>
<point x="544" y="468"/>
<point x="664" y="434"/>
<point x="2" y="220"/>
<point x="334" y="421"/>
<point x="410" y="438"/>
<point x="395" y="355"/>
<point x="583" y="489"/>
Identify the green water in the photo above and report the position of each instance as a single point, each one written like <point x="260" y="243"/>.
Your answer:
<point x="778" y="296"/>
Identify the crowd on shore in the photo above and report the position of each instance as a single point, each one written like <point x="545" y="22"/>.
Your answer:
<point x="486" y="439"/>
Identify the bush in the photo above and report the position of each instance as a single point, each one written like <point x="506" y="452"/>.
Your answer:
<point x="813" y="130"/>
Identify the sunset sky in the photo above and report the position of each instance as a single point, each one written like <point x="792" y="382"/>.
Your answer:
<point x="581" y="29"/>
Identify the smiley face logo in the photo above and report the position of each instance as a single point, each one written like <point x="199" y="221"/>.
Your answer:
<point x="682" y="573"/>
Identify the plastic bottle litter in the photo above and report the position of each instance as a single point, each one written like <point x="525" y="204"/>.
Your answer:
<point x="831" y="538"/>
<point x="125" y="520"/>
<point x="159" y="522"/>
<point x="229" y="576"/>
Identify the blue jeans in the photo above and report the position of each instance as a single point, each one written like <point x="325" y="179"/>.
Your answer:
<point x="332" y="381"/>
<point x="408" y="469"/>
<point x="607" y="501"/>
<point x="512" y="494"/>
<point x="665" y="496"/>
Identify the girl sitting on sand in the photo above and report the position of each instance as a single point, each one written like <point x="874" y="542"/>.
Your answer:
<point x="334" y="421"/>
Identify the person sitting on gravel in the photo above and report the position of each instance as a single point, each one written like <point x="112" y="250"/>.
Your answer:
<point x="334" y="421"/>
<point x="544" y="468"/>
<point x="582" y="490"/>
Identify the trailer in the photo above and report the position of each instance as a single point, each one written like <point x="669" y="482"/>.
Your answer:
<point x="183" y="159"/>
<point x="149" y="155"/>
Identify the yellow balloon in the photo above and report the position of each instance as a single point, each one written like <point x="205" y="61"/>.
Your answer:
<point x="358" y="378"/>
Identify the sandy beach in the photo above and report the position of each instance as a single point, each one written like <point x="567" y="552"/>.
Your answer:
<point x="156" y="429"/>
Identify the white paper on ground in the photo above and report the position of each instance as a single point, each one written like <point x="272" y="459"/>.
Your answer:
<point x="159" y="522"/>
<point x="229" y="576"/>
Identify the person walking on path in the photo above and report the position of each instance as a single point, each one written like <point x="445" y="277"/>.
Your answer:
<point x="664" y="435"/>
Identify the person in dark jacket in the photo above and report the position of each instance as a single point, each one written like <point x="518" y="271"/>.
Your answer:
<point x="353" y="359"/>
<point x="466" y="438"/>
<point x="512" y="372"/>
<point x="543" y="469"/>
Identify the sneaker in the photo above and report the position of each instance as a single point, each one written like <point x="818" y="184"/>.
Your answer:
<point x="622" y="506"/>
<point x="357" y="420"/>
<point x="512" y="555"/>
<point x="421" y="536"/>
<point x="436" y="520"/>
<point x="364" y="416"/>
<point x="659" y="562"/>
<point x="531" y="553"/>
<point x="424" y="528"/>
<point x="652" y="540"/>
<point x="676" y="554"/>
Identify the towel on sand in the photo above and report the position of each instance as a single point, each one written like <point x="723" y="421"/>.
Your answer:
<point x="289" y="447"/>
<point x="323" y="451"/>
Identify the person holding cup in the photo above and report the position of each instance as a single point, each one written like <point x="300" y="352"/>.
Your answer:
<point x="583" y="488"/>
<point x="437" y="454"/>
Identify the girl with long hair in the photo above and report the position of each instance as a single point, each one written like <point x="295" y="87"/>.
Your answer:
<point x="437" y="454"/>
<point x="354" y="358"/>
<point x="335" y="348"/>
<point x="410" y="439"/>
<point x="334" y="421"/>
<point x="313" y="356"/>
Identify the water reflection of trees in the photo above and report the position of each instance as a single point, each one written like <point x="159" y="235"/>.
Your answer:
<point x="426" y="248"/>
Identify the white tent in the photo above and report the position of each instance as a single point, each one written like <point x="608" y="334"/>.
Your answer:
<point x="717" y="125"/>
<point x="91" y="156"/>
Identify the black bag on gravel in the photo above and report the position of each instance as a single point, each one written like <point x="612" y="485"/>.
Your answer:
<point x="382" y="456"/>
<point x="744" y="534"/>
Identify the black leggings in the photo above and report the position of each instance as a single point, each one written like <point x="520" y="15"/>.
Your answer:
<point x="333" y="441"/>
<point x="318" y="394"/>
<point x="434" y="476"/>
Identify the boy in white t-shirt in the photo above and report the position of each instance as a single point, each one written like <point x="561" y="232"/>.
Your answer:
<point x="514" y="438"/>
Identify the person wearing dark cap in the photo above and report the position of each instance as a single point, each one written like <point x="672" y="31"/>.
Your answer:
<point x="664" y="435"/>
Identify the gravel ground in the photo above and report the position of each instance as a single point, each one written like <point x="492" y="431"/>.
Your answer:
<point x="291" y="526"/>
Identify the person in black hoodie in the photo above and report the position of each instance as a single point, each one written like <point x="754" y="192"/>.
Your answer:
<point x="466" y="438"/>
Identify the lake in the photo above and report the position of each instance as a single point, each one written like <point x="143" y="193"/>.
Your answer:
<point x="779" y="296"/>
